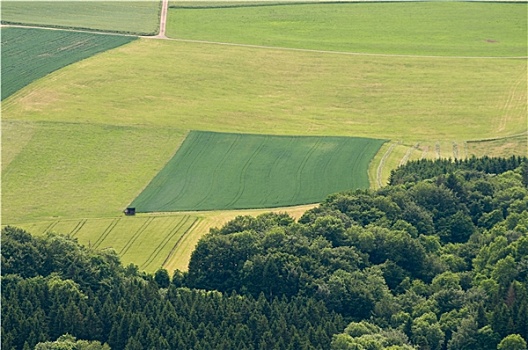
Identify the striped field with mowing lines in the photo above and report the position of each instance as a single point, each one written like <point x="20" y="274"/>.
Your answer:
<point x="148" y="241"/>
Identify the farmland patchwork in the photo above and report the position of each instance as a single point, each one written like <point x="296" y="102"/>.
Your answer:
<point x="80" y="144"/>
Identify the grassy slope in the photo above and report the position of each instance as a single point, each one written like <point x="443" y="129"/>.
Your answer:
<point x="238" y="89"/>
<point x="426" y="28"/>
<point x="214" y="171"/>
<point x="136" y="17"/>
<point x="79" y="170"/>
<point x="47" y="50"/>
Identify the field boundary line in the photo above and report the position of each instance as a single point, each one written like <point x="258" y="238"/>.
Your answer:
<point x="524" y="133"/>
<point x="184" y="137"/>
<point x="74" y="30"/>
<point x="136" y="235"/>
<point x="179" y="240"/>
<point x="281" y="48"/>
<point x="164" y="241"/>
<point x="181" y="191"/>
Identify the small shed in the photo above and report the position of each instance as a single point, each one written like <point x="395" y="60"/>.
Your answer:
<point x="130" y="211"/>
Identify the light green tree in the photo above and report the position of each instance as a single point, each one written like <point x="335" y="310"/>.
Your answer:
<point x="512" y="342"/>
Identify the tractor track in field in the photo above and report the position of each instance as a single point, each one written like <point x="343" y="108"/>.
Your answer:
<point x="78" y="227"/>
<point x="136" y="235"/>
<point x="180" y="239"/>
<point x="51" y="226"/>
<point x="106" y="232"/>
<point x="222" y="160"/>
<point x="408" y="154"/>
<point x="173" y="232"/>
<point x="243" y="172"/>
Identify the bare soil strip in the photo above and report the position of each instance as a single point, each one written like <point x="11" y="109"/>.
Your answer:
<point x="163" y="19"/>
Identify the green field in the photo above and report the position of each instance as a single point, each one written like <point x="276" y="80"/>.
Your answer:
<point x="84" y="141"/>
<point x="214" y="171"/>
<point x="45" y="51"/>
<point x="407" y="28"/>
<point x="133" y="17"/>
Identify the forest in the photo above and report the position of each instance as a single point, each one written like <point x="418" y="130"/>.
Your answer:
<point x="436" y="260"/>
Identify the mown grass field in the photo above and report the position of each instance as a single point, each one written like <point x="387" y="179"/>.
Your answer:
<point x="239" y="89"/>
<point x="45" y="51"/>
<point x="407" y="28"/>
<point x="132" y="17"/>
<point x="83" y="142"/>
<point x="73" y="170"/>
<point x="149" y="242"/>
<point x="213" y="171"/>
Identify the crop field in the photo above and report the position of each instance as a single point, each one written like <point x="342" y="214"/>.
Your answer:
<point x="407" y="28"/>
<point x="45" y="51"/>
<point x="132" y="17"/>
<point x="79" y="144"/>
<point x="214" y="171"/>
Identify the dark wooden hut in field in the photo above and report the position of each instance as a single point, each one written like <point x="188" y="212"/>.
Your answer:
<point x="130" y="211"/>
